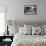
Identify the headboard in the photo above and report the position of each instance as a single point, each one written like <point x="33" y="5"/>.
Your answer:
<point x="21" y="23"/>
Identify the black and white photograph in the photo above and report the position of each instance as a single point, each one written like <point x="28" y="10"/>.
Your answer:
<point x="30" y="9"/>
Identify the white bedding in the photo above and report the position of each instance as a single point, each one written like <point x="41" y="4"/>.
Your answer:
<point x="29" y="40"/>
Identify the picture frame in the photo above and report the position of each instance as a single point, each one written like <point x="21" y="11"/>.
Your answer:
<point x="30" y="9"/>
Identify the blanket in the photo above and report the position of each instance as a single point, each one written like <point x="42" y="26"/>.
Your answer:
<point x="29" y="40"/>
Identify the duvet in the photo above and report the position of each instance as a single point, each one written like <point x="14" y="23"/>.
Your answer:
<point x="29" y="40"/>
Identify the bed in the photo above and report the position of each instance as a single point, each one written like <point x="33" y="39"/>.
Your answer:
<point x="20" y="39"/>
<point x="29" y="40"/>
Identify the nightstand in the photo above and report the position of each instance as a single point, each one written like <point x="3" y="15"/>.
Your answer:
<point x="6" y="40"/>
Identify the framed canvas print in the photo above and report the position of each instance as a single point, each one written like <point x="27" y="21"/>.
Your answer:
<point x="30" y="9"/>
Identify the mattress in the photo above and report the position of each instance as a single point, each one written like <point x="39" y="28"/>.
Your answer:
<point x="28" y="40"/>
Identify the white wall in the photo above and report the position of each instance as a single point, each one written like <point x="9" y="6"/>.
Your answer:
<point x="15" y="9"/>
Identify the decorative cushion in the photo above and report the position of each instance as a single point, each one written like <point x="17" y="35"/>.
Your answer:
<point x="36" y="30"/>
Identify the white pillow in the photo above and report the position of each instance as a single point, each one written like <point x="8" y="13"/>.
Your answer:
<point x="44" y="29"/>
<point x="44" y="26"/>
<point x="13" y="30"/>
<point x="28" y="26"/>
<point x="36" y="30"/>
<point x="24" y="30"/>
<point x="28" y="31"/>
<point x="21" y="30"/>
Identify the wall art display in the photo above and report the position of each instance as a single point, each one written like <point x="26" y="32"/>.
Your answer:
<point x="30" y="9"/>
